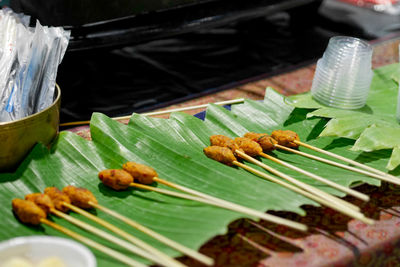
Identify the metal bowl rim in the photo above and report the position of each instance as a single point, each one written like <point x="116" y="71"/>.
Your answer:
<point x="36" y="114"/>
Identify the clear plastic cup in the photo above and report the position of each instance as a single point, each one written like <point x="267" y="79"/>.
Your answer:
<point x="343" y="75"/>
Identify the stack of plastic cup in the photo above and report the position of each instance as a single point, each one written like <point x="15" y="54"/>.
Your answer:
<point x="343" y="75"/>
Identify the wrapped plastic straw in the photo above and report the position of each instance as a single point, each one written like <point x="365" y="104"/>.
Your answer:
<point x="29" y="59"/>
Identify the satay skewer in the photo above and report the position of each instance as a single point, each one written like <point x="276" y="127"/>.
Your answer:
<point x="246" y="148"/>
<point x="290" y="139"/>
<point x="225" y="155"/>
<point x="122" y="179"/>
<point x="349" y="212"/>
<point x="62" y="202"/>
<point x="266" y="143"/>
<point x="390" y="178"/>
<point x="30" y="213"/>
<point x="169" y="242"/>
<point x="82" y="198"/>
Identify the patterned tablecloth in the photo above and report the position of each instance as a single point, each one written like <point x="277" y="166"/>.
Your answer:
<point x="334" y="239"/>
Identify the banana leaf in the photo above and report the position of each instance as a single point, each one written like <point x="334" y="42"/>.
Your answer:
<point x="174" y="148"/>
<point x="374" y="126"/>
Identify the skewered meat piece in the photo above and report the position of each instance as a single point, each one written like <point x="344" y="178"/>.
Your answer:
<point x="42" y="200"/>
<point x="79" y="196"/>
<point x="249" y="147"/>
<point x="221" y="154"/>
<point x="140" y="172"/>
<point x="286" y="138"/>
<point x="116" y="179"/>
<point x="58" y="198"/>
<point x="27" y="211"/>
<point x="266" y="142"/>
<point x="224" y="141"/>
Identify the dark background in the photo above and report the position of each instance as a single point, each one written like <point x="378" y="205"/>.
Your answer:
<point x="159" y="55"/>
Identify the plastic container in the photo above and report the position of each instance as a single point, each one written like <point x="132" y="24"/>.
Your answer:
<point x="36" y="248"/>
<point x="343" y="75"/>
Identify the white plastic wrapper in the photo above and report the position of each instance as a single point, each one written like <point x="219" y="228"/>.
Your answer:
<point x="29" y="59"/>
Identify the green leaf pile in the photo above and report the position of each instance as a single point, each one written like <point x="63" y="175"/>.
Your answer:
<point x="374" y="126"/>
<point x="174" y="148"/>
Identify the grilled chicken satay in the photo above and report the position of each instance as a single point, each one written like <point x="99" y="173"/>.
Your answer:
<point x="140" y="172"/>
<point x="58" y="198"/>
<point x="221" y="154"/>
<point x="28" y="212"/>
<point x="116" y="179"/>
<point x="286" y="138"/>
<point x="79" y="197"/>
<point x="143" y="172"/>
<point x="132" y="171"/>
<point x="253" y="149"/>
<point x="82" y="198"/>
<point x="264" y="140"/>
<point x="243" y="144"/>
<point x="42" y="200"/>
<point x="224" y="141"/>
<point x="248" y="146"/>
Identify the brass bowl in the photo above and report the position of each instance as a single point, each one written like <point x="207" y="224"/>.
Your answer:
<point x="17" y="138"/>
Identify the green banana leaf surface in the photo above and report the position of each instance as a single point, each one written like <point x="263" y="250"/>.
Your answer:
<point x="173" y="147"/>
<point x="374" y="126"/>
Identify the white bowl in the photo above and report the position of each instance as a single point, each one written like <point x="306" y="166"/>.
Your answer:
<point x="36" y="248"/>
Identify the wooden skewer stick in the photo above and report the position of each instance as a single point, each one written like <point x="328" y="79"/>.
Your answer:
<point x="110" y="252"/>
<point x="221" y="103"/>
<point x="158" y="256"/>
<point x="229" y="206"/>
<point x="194" y="192"/>
<point x="337" y="164"/>
<point x="110" y="238"/>
<point x="339" y="187"/>
<point x="298" y="183"/>
<point x="330" y="204"/>
<point x="257" y="246"/>
<point x="353" y="162"/>
<point x="286" y="239"/>
<point x="185" y="250"/>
